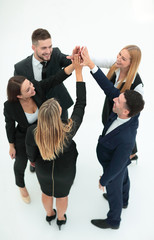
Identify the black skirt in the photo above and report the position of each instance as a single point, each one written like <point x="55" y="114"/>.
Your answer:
<point x="57" y="176"/>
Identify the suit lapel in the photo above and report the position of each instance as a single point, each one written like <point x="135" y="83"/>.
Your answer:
<point x="111" y="119"/>
<point x="29" y="68"/>
<point x="20" y="111"/>
<point x="104" y="137"/>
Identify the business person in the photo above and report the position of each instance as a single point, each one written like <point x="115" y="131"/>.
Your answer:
<point x="115" y="144"/>
<point x="31" y="67"/>
<point x="123" y="73"/>
<point x="44" y="62"/>
<point x="20" y="111"/>
<point x="50" y="145"/>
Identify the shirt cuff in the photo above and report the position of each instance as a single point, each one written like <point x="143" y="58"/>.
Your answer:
<point x="94" y="70"/>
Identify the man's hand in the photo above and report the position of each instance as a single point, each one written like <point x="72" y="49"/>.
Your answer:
<point x="76" y="50"/>
<point x="100" y="186"/>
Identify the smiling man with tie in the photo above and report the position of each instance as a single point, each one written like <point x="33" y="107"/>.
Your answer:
<point x="115" y="144"/>
<point x="44" y="62"/>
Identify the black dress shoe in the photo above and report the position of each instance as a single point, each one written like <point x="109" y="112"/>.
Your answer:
<point x="105" y="196"/>
<point x="102" y="223"/>
<point x="50" y="218"/>
<point x="61" y="222"/>
<point x="32" y="169"/>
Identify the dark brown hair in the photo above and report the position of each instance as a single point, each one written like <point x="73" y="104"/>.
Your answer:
<point x="14" y="88"/>
<point x="134" y="102"/>
<point x="40" y="34"/>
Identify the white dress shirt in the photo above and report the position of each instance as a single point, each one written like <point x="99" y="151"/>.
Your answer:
<point x="107" y="63"/>
<point x="37" y="69"/>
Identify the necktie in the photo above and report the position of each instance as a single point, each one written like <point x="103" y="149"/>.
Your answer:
<point x="44" y="69"/>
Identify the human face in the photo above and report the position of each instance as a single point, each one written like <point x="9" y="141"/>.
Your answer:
<point x="119" y="106"/>
<point x="43" y="50"/>
<point x="27" y="90"/>
<point x="123" y="59"/>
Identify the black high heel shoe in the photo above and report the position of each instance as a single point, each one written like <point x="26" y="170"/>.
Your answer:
<point x="61" y="222"/>
<point x="49" y="219"/>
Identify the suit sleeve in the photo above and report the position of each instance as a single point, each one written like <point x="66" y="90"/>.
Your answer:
<point x="107" y="86"/>
<point x="79" y="107"/>
<point x="31" y="147"/>
<point x="118" y="162"/>
<point x="9" y="123"/>
<point x="64" y="62"/>
<point x="19" y="69"/>
<point x="53" y="81"/>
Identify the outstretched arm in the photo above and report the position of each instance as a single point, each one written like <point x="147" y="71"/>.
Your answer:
<point x="86" y="58"/>
<point x="99" y="76"/>
<point x="78" y="111"/>
<point x="69" y="69"/>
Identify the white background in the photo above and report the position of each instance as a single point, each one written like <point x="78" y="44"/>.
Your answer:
<point x="104" y="27"/>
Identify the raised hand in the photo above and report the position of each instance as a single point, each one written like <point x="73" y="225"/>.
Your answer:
<point x="76" y="50"/>
<point x="86" y="61"/>
<point x="77" y="62"/>
<point x="78" y="68"/>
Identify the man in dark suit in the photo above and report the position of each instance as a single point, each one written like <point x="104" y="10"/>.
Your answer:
<point x="115" y="145"/>
<point x="32" y="66"/>
<point x="44" y="62"/>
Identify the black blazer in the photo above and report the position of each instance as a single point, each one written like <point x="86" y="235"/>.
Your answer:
<point x="57" y="61"/>
<point x="56" y="177"/>
<point x="13" y="111"/>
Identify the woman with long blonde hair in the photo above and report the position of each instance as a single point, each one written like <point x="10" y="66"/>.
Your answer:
<point x="50" y="145"/>
<point x="123" y="73"/>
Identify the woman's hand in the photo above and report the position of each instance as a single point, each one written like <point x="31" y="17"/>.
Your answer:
<point x="78" y="67"/>
<point x="86" y="61"/>
<point x="100" y="186"/>
<point x="12" y="151"/>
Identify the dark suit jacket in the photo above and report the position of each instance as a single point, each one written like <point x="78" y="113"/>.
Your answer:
<point x="114" y="149"/>
<point x="14" y="113"/>
<point x="57" y="62"/>
<point x="61" y="171"/>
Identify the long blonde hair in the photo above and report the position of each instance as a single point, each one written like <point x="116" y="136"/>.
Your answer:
<point x="50" y="133"/>
<point x="135" y="58"/>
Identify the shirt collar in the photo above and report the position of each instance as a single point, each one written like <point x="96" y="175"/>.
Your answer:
<point x="35" y="61"/>
<point x="123" y="120"/>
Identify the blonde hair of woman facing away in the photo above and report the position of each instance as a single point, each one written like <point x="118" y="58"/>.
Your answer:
<point x="50" y="134"/>
<point x="135" y="58"/>
<point x="50" y="144"/>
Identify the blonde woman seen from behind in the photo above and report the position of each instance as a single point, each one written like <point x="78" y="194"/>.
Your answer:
<point x="50" y="145"/>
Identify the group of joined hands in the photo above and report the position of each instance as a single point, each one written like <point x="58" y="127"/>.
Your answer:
<point x="80" y="56"/>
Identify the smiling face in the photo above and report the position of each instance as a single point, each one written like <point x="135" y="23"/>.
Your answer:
<point x="119" y="106"/>
<point x="27" y="90"/>
<point x="123" y="59"/>
<point x="43" y="50"/>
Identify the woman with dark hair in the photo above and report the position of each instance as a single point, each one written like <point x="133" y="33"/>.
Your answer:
<point x="50" y="145"/>
<point x="20" y="111"/>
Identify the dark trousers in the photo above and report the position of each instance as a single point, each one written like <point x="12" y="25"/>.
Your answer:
<point x="118" y="196"/>
<point x="20" y="165"/>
